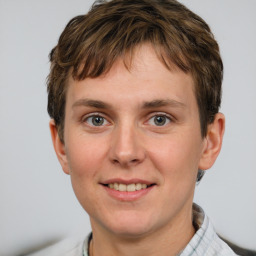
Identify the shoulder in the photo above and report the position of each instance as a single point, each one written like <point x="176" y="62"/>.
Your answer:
<point x="72" y="246"/>
<point x="219" y="248"/>
<point x="205" y="241"/>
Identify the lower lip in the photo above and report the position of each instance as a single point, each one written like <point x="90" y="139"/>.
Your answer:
<point x="128" y="196"/>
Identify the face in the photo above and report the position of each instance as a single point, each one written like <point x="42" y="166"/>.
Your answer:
<point x="133" y="146"/>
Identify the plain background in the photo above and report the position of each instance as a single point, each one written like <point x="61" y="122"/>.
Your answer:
<point x="37" y="205"/>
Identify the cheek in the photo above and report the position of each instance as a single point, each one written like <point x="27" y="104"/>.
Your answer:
<point x="85" y="156"/>
<point x="85" y="159"/>
<point x="176" y="157"/>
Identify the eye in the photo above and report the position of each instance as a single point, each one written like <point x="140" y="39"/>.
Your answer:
<point x="96" y="120"/>
<point x="159" y="120"/>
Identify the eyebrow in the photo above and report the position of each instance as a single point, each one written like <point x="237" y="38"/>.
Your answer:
<point x="146" y="105"/>
<point x="163" y="103"/>
<point x="91" y="103"/>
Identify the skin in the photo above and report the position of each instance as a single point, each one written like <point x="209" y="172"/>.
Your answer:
<point x="130" y="144"/>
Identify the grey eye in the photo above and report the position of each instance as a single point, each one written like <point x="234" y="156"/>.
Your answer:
<point x="96" y="120"/>
<point x="160" y="120"/>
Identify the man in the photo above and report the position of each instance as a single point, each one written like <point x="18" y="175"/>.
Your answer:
<point x="134" y="93"/>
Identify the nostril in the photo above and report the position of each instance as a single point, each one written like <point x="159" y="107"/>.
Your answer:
<point x="116" y="161"/>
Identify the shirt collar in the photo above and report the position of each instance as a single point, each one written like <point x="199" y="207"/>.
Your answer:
<point x="205" y="233"/>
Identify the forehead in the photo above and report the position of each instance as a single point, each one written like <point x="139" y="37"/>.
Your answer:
<point x="140" y="77"/>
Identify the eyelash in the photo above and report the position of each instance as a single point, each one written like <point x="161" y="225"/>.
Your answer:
<point x="94" y="115"/>
<point x="168" y="119"/>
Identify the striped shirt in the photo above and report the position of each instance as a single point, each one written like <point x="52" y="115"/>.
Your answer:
<point x="205" y="242"/>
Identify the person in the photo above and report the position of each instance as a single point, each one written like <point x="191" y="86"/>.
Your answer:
<point x="134" y="92"/>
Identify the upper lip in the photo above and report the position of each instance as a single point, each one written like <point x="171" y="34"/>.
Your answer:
<point x="127" y="181"/>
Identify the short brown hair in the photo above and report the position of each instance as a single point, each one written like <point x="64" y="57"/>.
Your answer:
<point x="91" y="43"/>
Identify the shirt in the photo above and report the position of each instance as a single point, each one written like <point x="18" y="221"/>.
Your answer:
<point x="205" y="242"/>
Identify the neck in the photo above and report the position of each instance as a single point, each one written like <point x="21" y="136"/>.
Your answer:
<point x="170" y="240"/>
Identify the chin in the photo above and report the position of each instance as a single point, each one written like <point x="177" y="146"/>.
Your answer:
<point x="131" y="227"/>
<point x="130" y="232"/>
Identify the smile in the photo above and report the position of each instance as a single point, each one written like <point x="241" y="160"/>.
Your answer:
<point x="127" y="187"/>
<point x="128" y="190"/>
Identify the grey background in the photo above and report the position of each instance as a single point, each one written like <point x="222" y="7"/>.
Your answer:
<point x="37" y="205"/>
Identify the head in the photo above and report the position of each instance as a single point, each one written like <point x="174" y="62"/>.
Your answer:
<point x="91" y="43"/>
<point x="134" y="93"/>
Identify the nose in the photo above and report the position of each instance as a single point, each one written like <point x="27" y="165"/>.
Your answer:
<point x="126" y="146"/>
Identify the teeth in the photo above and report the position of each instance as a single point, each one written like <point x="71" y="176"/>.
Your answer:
<point x="122" y="187"/>
<point x="116" y="186"/>
<point x="138" y="186"/>
<point x="129" y="188"/>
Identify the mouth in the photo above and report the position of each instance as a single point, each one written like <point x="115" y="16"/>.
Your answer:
<point x="131" y="190"/>
<point x="128" y="187"/>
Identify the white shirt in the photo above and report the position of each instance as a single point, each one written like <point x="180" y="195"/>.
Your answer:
<point x="205" y="242"/>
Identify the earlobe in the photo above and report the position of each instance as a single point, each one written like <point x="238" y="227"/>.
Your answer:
<point x="213" y="141"/>
<point x="59" y="147"/>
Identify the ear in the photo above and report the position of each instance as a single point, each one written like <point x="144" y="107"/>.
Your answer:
<point x="213" y="142"/>
<point x="59" y="147"/>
